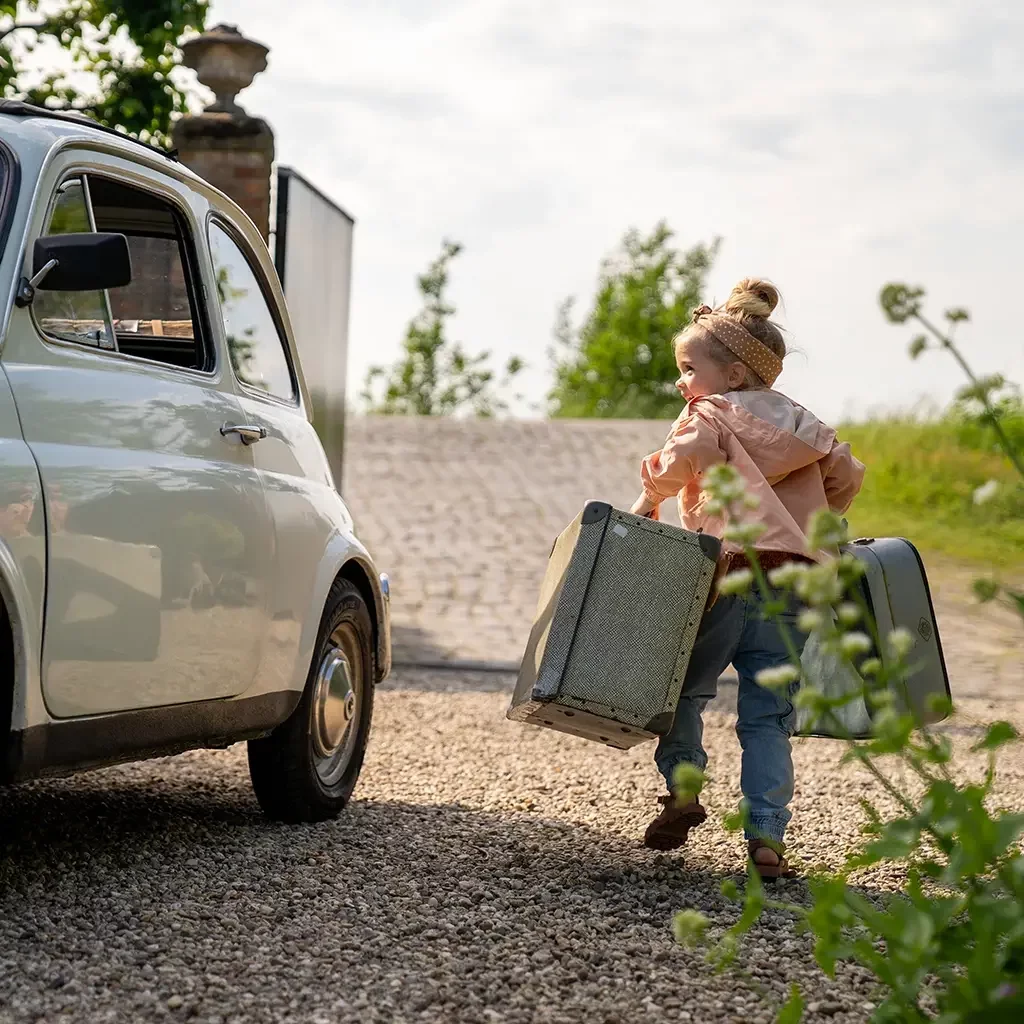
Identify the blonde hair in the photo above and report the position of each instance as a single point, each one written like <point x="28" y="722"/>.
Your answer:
<point x="751" y="302"/>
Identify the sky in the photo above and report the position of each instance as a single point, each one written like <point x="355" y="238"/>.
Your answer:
<point x="832" y="148"/>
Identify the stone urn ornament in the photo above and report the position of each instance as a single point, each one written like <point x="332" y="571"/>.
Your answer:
<point x="226" y="63"/>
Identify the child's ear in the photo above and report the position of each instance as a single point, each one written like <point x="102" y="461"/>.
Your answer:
<point x="737" y="374"/>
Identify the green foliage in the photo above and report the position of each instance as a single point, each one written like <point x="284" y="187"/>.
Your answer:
<point x="991" y="396"/>
<point x="126" y="49"/>
<point x="435" y="376"/>
<point x="793" y="1009"/>
<point x="901" y="302"/>
<point x="689" y="927"/>
<point x="953" y="483"/>
<point x="950" y="946"/>
<point x="921" y="483"/>
<point x="687" y="782"/>
<point x="620" y="362"/>
<point x="975" y="423"/>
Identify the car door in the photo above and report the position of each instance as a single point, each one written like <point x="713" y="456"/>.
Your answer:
<point x="160" y="542"/>
<point x="293" y="468"/>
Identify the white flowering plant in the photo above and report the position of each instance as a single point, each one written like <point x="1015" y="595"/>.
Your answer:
<point x="992" y="396"/>
<point x="949" y="948"/>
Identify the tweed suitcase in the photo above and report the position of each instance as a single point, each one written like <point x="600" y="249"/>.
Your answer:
<point x="619" y="610"/>
<point x="895" y="588"/>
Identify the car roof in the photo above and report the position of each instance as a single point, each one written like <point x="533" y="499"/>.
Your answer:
<point x="18" y="108"/>
<point x="54" y="125"/>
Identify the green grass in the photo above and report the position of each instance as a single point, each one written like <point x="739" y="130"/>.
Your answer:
<point x="920" y="484"/>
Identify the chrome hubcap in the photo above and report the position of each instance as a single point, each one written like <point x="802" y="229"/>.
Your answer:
<point x="336" y="703"/>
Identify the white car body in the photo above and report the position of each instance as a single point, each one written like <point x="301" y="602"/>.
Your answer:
<point x="164" y="583"/>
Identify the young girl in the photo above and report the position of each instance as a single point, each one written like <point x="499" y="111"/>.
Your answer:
<point x="729" y="359"/>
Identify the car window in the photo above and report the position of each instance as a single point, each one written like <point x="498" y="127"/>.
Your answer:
<point x="256" y="348"/>
<point x="73" y="316"/>
<point x="155" y="315"/>
<point x="4" y="197"/>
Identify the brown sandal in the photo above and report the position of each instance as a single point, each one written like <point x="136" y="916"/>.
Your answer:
<point x="671" y="828"/>
<point x="770" y="872"/>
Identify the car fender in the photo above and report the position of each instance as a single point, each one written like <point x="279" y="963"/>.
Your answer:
<point x="23" y="614"/>
<point x="345" y="556"/>
<point x="22" y="563"/>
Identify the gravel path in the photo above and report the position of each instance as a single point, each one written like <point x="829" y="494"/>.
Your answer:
<point x="486" y="872"/>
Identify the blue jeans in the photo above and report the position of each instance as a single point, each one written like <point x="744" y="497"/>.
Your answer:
<point x="734" y="631"/>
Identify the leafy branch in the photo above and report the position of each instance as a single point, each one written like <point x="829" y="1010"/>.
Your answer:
<point x="435" y="376"/>
<point x="122" y="53"/>
<point x="956" y="934"/>
<point x="953" y="940"/>
<point x="901" y="303"/>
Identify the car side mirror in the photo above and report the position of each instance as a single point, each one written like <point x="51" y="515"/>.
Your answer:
<point x="86" y="262"/>
<point x="78" y="262"/>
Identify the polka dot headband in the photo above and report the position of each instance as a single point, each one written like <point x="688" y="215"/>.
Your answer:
<point x="738" y="340"/>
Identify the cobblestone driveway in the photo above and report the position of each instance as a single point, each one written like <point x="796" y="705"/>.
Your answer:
<point x="463" y="515"/>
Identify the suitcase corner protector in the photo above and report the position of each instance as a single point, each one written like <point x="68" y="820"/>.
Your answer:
<point x="595" y="511"/>
<point x="711" y="546"/>
<point x="660" y="724"/>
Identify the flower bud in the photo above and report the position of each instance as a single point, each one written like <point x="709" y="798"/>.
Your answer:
<point x="689" y="926"/>
<point x="786" y="575"/>
<point x="776" y="678"/>
<point x="849" y="613"/>
<point x="986" y="492"/>
<point x="825" y="530"/>
<point x="744" y="533"/>
<point x="736" y="582"/>
<point x="687" y="781"/>
<point x="901" y="643"/>
<point x="810" y="619"/>
<point x="855" y="643"/>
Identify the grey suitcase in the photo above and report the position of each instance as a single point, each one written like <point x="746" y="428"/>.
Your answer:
<point x="620" y="606"/>
<point x="895" y="588"/>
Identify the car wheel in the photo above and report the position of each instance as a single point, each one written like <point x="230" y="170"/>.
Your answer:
<point x="307" y="768"/>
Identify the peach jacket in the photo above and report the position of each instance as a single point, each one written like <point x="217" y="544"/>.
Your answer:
<point x="785" y="455"/>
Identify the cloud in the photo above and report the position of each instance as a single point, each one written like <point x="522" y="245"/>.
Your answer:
<point x="832" y="147"/>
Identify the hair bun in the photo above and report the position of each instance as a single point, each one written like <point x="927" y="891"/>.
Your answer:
<point x="752" y="297"/>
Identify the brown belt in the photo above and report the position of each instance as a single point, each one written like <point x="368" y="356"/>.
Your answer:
<point x="768" y="560"/>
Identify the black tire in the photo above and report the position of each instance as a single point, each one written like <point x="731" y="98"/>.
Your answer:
<point x="293" y="779"/>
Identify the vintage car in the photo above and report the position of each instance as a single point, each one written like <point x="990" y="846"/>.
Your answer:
<point x="177" y="567"/>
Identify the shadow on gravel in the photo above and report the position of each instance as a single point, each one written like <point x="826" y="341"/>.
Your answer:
<point x="517" y="858"/>
<point x="389" y="912"/>
<point x="411" y="643"/>
<point x="454" y="680"/>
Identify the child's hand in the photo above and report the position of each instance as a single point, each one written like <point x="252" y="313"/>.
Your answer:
<point x="643" y="506"/>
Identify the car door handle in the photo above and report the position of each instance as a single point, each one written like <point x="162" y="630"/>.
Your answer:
<point x="247" y="433"/>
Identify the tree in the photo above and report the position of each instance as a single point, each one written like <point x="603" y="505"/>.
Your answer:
<point x="434" y="376"/>
<point x="619" y="362"/>
<point x="127" y="48"/>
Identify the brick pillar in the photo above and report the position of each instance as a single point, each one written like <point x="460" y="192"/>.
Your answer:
<point x="233" y="151"/>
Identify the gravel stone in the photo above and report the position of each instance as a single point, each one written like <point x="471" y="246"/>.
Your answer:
<point x="156" y="891"/>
